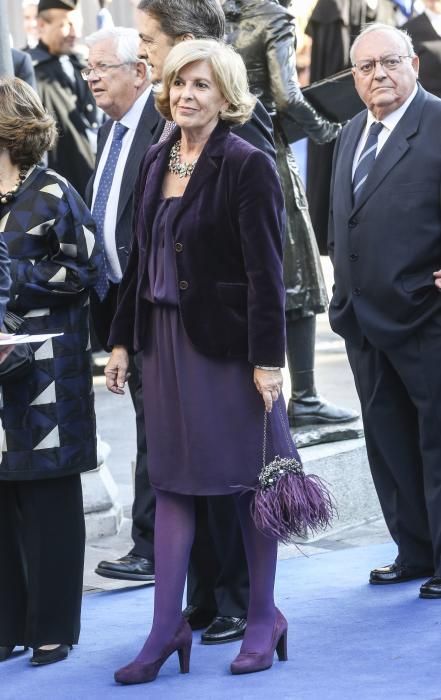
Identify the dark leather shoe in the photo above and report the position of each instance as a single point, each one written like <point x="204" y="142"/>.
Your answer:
<point x="394" y="573"/>
<point x="42" y="657"/>
<point x="130" y="568"/>
<point x="313" y="410"/>
<point x="197" y="618"/>
<point x="432" y="588"/>
<point x="5" y="653"/>
<point x="224" y="629"/>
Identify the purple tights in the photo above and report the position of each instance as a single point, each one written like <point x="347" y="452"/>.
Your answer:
<point x="174" y="535"/>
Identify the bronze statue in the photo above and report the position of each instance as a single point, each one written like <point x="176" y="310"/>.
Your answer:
<point x="263" y="32"/>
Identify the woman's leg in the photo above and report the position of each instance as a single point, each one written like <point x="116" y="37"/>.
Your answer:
<point x="261" y="553"/>
<point x="174" y="535"/>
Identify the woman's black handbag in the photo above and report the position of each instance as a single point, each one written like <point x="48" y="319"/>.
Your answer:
<point x="19" y="362"/>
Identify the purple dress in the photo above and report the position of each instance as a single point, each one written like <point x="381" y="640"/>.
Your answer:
<point x="204" y="416"/>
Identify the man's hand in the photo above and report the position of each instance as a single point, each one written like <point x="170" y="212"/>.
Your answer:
<point x="269" y="384"/>
<point x="116" y="369"/>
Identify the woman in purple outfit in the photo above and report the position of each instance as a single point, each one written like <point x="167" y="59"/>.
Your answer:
<point x="203" y="298"/>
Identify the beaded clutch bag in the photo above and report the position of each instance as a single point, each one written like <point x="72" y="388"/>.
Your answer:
<point x="288" y="502"/>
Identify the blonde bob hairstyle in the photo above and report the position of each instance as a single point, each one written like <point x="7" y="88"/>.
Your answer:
<point x="229" y="73"/>
<point x="27" y="130"/>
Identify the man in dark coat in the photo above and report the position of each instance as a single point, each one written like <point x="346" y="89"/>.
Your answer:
<point x="332" y="27"/>
<point x="217" y="586"/>
<point x="425" y="31"/>
<point x="123" y="92"/>
<point x="385" y="243"/>
<point x="64" y="93"/>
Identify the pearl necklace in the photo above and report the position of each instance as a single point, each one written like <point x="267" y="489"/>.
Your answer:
<point x="174" y="162"/>
<point x="6" y="197"/>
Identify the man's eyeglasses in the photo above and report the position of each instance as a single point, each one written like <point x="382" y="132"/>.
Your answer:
<point x="101" y="70"/>
<point x="366" y="65"/>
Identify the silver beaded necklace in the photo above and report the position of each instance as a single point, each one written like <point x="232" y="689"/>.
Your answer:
<point x="174" y="162"/>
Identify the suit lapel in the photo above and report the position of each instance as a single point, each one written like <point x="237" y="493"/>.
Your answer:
<point x="207" y="165"/>
<point x="350" y="147"/>
<point x="142" y="140"/>
<point x="395" y="147"/>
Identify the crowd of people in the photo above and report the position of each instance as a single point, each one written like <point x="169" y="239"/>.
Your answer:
<point x="149" y="189"/>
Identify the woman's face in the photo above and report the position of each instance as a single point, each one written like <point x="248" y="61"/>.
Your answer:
<point x="195" y="99"/>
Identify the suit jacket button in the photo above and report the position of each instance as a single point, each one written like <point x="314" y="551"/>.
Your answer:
<point x="353" y="223"/>
<point x="357" y="291"/>
<point x="179" y="247"/>
<point x="183" y="284"/>
<point x="353" y="257"/>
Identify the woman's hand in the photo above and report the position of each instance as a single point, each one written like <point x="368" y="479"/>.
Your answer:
<point x="269" y="384"/>
<point x="116" y="369"/>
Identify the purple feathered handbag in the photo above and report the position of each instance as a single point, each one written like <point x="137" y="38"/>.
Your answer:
<point x="287" y="502"/>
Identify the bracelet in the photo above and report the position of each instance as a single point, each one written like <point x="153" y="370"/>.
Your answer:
<point x="267" y="369"/>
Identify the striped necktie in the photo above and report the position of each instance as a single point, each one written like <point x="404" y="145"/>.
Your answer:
<point x="102" y="196"/>
<point x="366" y="160"/>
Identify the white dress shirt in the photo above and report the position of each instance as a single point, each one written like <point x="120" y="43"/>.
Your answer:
<point x="131" y="121"/>
<point x="389" y="123"/>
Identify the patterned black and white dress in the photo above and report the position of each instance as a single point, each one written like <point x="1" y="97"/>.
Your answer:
<point x="48" y="417"/>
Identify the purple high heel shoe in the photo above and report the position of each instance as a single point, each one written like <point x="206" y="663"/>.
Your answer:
<point x="143" y="672"/>
<point x="250" y="662"/>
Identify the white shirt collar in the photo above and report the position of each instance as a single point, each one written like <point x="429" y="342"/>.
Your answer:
<point x="132" y="117"/>
<point x="392" y="119"/>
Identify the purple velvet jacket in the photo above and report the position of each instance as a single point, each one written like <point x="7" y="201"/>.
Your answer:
<point x="228" y="245"/>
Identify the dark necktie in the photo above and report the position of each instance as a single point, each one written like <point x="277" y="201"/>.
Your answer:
<point x="366" y="160"/>
<point x="102" y="196"/>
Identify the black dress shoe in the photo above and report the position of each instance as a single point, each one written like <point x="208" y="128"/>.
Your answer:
<point x="395" y="573"/>
<point x="432" y="588"/>
<point x="313" y="410"/>
<point x="5" y="653"/>
<point x="224" y="629"/>
<point x="42" y="657"/>
<point x="197" y="618"/>
<point x="130" y="568"/>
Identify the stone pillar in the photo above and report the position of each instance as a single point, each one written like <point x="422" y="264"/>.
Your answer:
<point x="103" y="513"/>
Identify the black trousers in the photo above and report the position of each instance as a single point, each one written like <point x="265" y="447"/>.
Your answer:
<point x="143" y="508"/>
<point x="218" y="574"/>
<point x="42" y="540"/>
<point x="400" y="392"/>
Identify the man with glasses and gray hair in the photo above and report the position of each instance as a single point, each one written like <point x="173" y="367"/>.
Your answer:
<point x="385" y="244"/>
<point x="119" y="82"/>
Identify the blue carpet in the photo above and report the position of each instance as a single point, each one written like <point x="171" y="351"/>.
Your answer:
<point x="347" y="641"/>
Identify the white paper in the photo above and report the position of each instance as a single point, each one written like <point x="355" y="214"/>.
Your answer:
<point x="34" y="338"/>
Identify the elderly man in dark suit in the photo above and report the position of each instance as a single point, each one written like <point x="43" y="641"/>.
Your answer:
<point x="385" y="243"/>
<point x="120" y="84"/>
